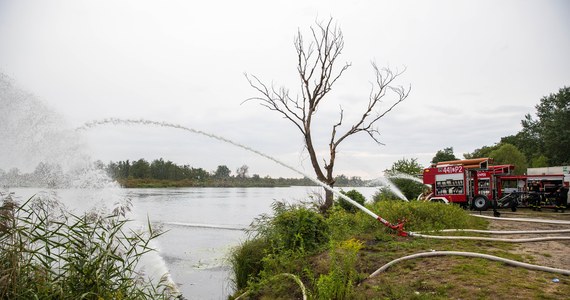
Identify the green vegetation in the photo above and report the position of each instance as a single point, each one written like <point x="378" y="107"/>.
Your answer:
<point x="400" y="174"/>
<point x="348" y="247"/>
<point x="49" y="253"/>
<point x="354" y="195"/>
<point x="444" y="155"/>
<point x="327" y="253"/>
<point x="543" y="141"/>
<point x="340" y="281"/>
<point x="159" y="174"/>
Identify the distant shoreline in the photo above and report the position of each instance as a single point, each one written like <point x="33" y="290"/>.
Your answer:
<point x="160" y="183"/>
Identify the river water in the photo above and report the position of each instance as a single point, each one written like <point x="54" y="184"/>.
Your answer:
<point x="202" y="225"/>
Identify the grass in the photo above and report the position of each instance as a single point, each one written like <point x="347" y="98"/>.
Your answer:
<point x="446" y="277"/>
<point x="462" y="278"/>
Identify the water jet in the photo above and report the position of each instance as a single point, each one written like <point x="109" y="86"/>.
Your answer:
<point x="115" y="121"/>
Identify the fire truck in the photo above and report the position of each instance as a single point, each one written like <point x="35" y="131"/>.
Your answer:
<point x="477" y="184"/>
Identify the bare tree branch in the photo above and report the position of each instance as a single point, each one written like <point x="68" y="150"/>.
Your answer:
<point x="317" y="66"/>
<point x="384" y="79"/>
<point x="276" y="101"/>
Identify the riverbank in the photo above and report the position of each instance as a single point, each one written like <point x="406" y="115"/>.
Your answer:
<point x="444" y="277"/>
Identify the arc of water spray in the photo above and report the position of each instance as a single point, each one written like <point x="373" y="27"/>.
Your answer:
<point x="388" y="183"/>
<point x="392" y="174"/>
<point x="114" y="121"/>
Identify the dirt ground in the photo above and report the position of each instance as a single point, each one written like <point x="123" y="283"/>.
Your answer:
<point x="554" y="254"/>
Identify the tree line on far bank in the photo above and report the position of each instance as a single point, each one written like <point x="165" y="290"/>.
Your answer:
<point x="159" y="173"/>
<point x="167" y="173"/>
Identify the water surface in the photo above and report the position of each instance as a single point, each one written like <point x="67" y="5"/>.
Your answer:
<point x="202" y="225"/>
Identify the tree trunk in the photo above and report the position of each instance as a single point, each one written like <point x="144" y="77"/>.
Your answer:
<point x="329" y="198"/>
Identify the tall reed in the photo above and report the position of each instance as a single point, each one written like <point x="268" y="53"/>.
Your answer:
<point x="46" y="252"/>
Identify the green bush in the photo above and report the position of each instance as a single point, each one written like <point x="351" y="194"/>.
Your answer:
<point x="385" y="194"/>
<point x="48" y="253"/>
<point x="354" y="195"/>
<point x="278" y="244"/>
<point x="422" y="216"/>
<point x="293" y="227"/>
<point x="246" y="261"/>
<point x="339" y="282"/>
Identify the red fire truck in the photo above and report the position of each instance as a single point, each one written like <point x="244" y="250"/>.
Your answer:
<point x="521" y="189"/>
<point x="476" y="184"/>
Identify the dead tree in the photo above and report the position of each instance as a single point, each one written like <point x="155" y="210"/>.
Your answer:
<point x="318" y="72"/>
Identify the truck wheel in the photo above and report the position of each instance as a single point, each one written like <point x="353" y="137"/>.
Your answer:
<point x="480" y="202"/>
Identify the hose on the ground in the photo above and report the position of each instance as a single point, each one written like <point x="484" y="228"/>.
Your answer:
<point x="487" y="256"/>
<point x="478" y="238"/>
<point x="506" y="232"/>
<point x="471" y="254"/>
<point x="539" y="239"/>
<point x="524" y="220"/>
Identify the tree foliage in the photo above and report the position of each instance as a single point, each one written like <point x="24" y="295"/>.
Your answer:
<point x="443" y="155"/>
<point x="509" y="154"/>
<point x="403" y="174"/>
<point x="539" y="162"/>
<point x="543" y="140"/>
<point x="157" y="169"/>
<point x="343" y="180"/>
<point x="553" y="126"/>
<point x="140" y="169"/>
<point x="484" y="151"/>
<point x="222" y="172"/>
<point x="354" y="195"/>
<point x="527" y="140"/>
<point x="407" y="166"/>
<point x="242" y="171"/>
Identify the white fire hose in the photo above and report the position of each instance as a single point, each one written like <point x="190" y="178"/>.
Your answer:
<point x="480" y="238"/>
<point x="487" y="256"/>
<point x="471" y="254"/>
<point x="561" y="222"/>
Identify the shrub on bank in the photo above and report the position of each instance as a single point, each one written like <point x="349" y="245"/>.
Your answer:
<point x="331" y="273"/>
<point x="353" y="195"/>
<point x="423" y="216"/>
<point x="339" y="282"/>
<point x="292" y="227"/>
<point x="246" y="261"/>
<point x="278" y="242"/>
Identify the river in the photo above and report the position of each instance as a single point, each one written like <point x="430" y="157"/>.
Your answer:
<point x="202" y="225"/>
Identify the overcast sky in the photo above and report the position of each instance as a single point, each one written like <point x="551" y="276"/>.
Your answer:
<point x="475" y="69"/>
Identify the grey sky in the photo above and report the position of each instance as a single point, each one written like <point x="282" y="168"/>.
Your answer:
<point x="475" y="67"/>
